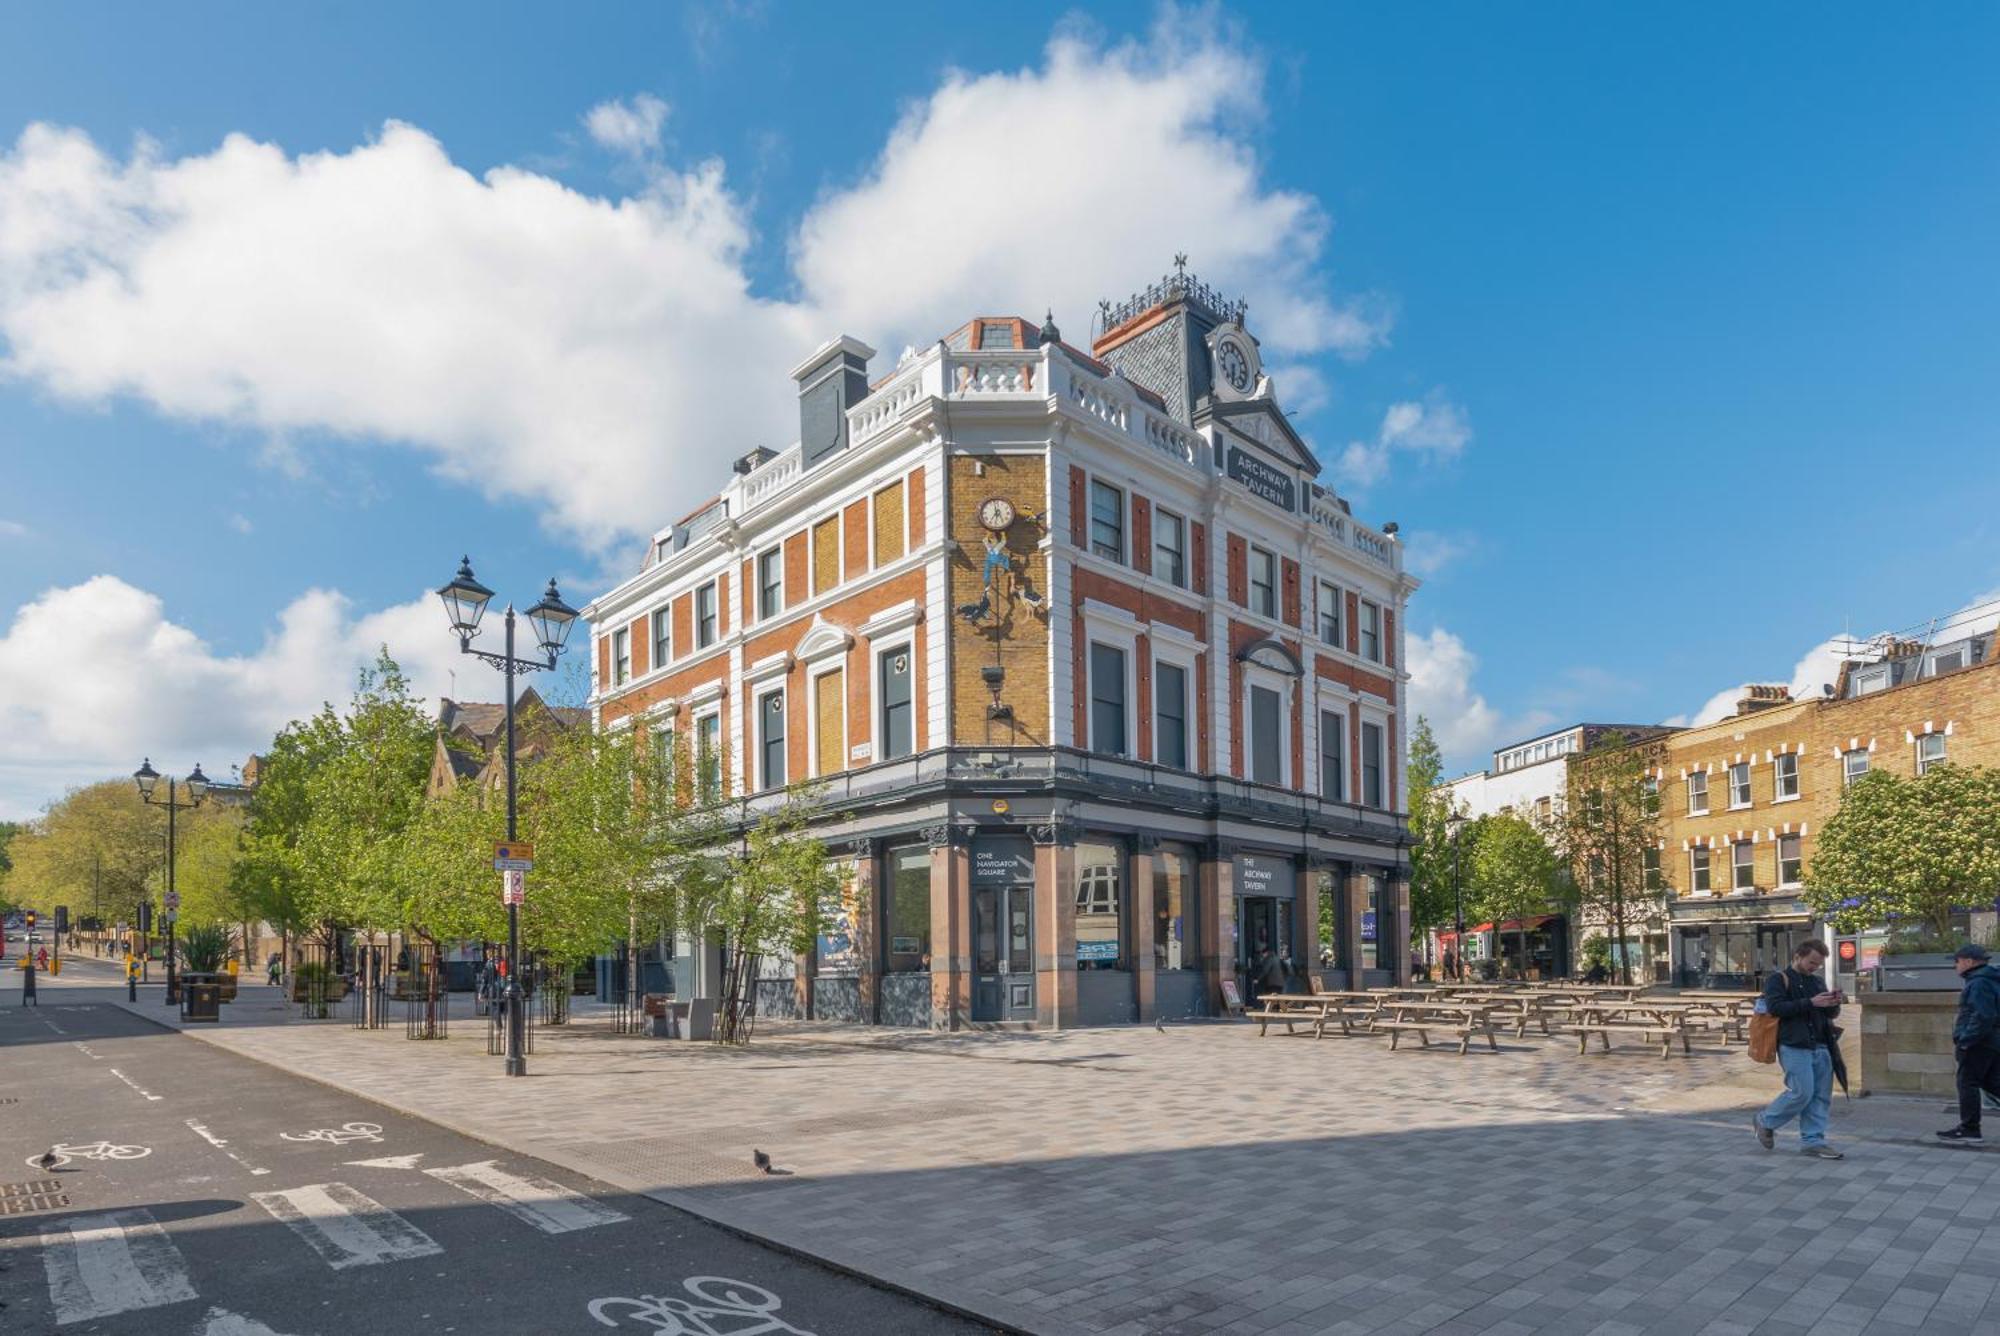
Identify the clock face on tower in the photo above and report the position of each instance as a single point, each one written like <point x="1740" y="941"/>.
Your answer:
<point x="996" y="513"/>
<point x="1232" y="365"/>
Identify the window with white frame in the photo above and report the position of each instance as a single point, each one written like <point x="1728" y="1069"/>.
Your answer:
<point x="771" y="739"/>
<point x="1373" y="791"/>
<point x="1170" y="547"/>
<point x="770" y="583"/>
<point x="1107" y="699"/>
<point x="1649" y="796"/>
<point x="704" y="616"/>
<point x="1266" y="707"/>
<point x="1170" y="715"/>
<point x="1107" y="521"/>
<point x="1930" y="751"/>
<point x="621" y="658"/>
<point x="1853" y="764"/>
<point x="1698" y="793"/>
<point x="663" y="756"/>
<point x="1371" y="632"/>
<point x="1739" y="784"/>
<point x="708" y="757"/>
<point x="1649" y="861"/>
<point x="899" y="714"/>
<point x="1263" y="582"/>
<point x="1785" y="777"/>
<point x="1791" y="860"/>
<point x="1698" y="868"/>
<point x="1332" y="756"/>
<point x="1326" y="607"/>
<point x="1743" y="864"/>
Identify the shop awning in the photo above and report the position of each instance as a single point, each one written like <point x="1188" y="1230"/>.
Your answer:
<point x="1520" y="925"/>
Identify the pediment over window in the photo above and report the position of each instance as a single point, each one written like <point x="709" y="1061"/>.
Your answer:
<point x="823" y="638"/>
<point x="1272" y="654"/>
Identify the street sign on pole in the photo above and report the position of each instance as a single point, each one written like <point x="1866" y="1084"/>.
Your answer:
<point x="514" y="856"/>
<point x="513" y="887"/>
<point x="173" y="899"/>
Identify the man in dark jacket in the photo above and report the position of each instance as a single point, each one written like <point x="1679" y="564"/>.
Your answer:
<point x="1805" y="1009"/>
<point x="1976" y="1039"/>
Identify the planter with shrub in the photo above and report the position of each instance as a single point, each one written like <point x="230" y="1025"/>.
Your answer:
<point x="204" y="948"/>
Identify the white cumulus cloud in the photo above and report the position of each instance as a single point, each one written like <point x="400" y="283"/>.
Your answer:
<point x="602" y="356"/>
<point x="1434" y="430"/>
<point x="1441" y="689"/>
<point x="628" y="127"/>
<point x="94" y="675"/>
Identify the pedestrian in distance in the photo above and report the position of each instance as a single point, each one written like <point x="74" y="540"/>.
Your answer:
<point x="1450" y="963"/>
<point x="274" y="969"/>
<point x="1975" y="1039"/>
<point x="1805" y="1008"/>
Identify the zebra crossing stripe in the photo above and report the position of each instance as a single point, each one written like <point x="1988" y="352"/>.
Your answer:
<point x="102" y="1265"/>
<point x="549" y="1207"/>
<point x="346" y="1228"/>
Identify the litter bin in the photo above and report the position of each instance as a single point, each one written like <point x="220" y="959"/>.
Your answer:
<point x="201" y="999"/>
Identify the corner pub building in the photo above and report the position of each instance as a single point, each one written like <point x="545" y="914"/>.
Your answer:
<point x="1099" y="686"/>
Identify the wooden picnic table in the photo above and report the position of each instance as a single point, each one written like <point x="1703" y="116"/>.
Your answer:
<point x="1662" y="1020"/>
<point x="1464" y="1019"/>
<point x="1294" y="1009"/>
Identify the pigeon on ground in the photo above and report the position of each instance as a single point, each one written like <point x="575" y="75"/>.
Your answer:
<point x="49" y="1159"/>
<point x="1159" y="1025"/>
<point x="761" y="1160"/>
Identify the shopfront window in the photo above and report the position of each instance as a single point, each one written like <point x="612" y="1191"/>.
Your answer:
<point x="1736" y="955"/>
<point x="1173" y="909"/>
<point x="1100" y="897"/>
<point x="909" y="923"/>
<point x="1326" y="893"/>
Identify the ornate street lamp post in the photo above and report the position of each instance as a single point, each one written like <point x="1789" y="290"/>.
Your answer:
<point x="1455" y="824"/>
<point x="465" y="601"/>
<point x="196" y="784"/>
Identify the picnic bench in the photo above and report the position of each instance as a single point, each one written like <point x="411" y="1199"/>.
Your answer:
<point x="1420" y="1018"/>
<point x="1319" y="1009"/>
<point x="1661" y="1022"/>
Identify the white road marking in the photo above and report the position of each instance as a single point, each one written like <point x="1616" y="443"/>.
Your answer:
<point x="735" y="1301"/>
<point x="549" y="1207"/>
<point x="102" y="1265"/>
<point x="345" y="1227"/>
<point x="338" y="1136"/>
<point x="84" y="1049"/>
<point x="222" y="1145"/>
<point x="222" y="1322"/>
<point x="134" y="1084"/>
<point x="91" y="1150"/>
<point x="389" y="1162"/>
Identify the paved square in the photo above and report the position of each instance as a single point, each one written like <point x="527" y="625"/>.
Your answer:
<point x="1206" y="1180"/>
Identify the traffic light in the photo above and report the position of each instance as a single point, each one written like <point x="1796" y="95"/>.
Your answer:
<point x="146" y="917"/>
<point x="62" y="920"/>
<point x="31" y="920"/>
<point x="1847" y="951"/>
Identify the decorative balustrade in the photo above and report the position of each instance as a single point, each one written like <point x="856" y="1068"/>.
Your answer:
<point x="1093" y="398"/>
<point x="1004" y="371"/>
<point x="772" y="477"/>
<point x="1378" y="546"/>
<point x="885" y="405"/>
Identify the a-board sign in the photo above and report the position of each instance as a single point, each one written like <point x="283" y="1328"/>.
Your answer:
<point x="1232" y="1001"/>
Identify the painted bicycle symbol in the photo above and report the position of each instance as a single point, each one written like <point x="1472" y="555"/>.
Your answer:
<point x="337" y="1136"/>
<point x="91" y="1150"/>
<point x="720" y="1307"/>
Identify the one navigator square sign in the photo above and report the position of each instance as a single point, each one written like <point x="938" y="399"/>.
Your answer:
<point x="1270" y="483"/>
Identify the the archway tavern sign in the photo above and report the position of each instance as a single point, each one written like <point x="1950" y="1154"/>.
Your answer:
<point x="512" y="861"/>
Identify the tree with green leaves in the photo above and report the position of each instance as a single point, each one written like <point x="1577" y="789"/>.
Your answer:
<point x="1607" y="833"/>
<point x="1910" y="849"/>
<point x="773" y="897"/>
<point x="98" y="849"/>
<point x="1513" y="876"/>
<point x="1433" y="890"/>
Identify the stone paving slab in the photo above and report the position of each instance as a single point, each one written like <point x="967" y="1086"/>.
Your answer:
<point x="1204" y="1180"/>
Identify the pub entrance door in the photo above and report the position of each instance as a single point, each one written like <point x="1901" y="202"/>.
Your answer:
<point x="1003" y="957"/>
<point x="1263" y="920"/>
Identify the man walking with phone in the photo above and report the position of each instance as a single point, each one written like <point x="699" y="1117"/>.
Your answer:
<point x="1805" y="1008"/>
<point x="1975" y="1038"/>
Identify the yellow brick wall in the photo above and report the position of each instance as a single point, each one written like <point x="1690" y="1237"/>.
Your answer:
<point x="1968" y="702"/>
<point x="1023" y="635"/>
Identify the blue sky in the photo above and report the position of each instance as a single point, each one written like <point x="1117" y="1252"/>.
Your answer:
<point x="1688" y="313"/>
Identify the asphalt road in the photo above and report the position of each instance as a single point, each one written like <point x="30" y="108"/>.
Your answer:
<point x="208" y="1195"/>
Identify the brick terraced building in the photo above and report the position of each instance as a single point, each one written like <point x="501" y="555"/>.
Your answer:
<point x="1100" y="685"/>
<point x="1742" y="798"/>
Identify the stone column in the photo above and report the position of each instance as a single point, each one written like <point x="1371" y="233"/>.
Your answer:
<point x="1305" y="919"/>
<point x="951" y="930"/>
<point x="1055" y="924"/>
<point x="1139" y="903"/>
<point x="1400" y="893"/>
<point x="1355" y="896"/>
<point x="1218" y="936"/>
<point x="867" y="899"/>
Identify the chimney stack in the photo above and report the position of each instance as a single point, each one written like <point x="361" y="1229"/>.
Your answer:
<point x="1762" y="696"/>
<point x="831" y="381"/>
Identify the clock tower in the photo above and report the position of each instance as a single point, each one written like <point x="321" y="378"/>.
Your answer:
<point x="1182" y="340"/>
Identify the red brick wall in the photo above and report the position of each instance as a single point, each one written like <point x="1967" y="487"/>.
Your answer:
<point x="1353" y="624"/>
<point x="1142" y="534"/>
<point x="798" y="586"/>
<point x="1388" y="638"/>
<point x="854" y="540"/>
<point x="1198" y="555"/>
<point x="913" y="508"/>
<point x="1142" y="745"/>
<point x="1079" y="517"/>
<point x="1236" y="557"/>
<point x="1289" y="574"/>
<point x="642" y="648"/>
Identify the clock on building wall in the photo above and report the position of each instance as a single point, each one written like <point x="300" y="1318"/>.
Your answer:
<point x="1234" y="357"/>
<point x="996" y="514"/>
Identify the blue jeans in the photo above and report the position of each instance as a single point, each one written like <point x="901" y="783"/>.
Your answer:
<point x="1808" y="1094"/>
